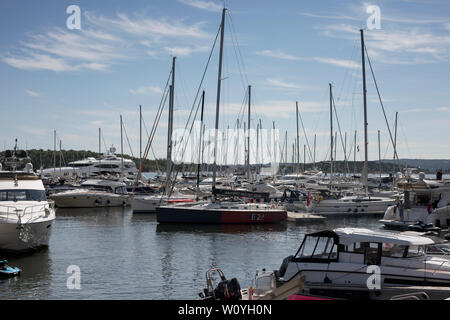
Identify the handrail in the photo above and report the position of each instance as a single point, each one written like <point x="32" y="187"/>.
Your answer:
<point x="28" y="210"/>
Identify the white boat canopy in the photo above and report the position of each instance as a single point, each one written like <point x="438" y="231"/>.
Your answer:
<point x="351" y="235"/>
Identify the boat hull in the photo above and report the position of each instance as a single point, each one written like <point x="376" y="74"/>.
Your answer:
<point x="85" y="201"/>
<point x="149" y="205"/>
<point x="350" y="208"/>
<point x="191" y="215"/>
<point x="29" y="236"/>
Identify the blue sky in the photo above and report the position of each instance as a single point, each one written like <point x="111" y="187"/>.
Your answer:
<point x="75" y="81"/>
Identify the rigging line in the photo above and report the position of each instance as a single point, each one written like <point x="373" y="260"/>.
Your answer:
<point x="306" y="137"/>
<point x="195" y="100"/>
<point x="382" y="106"/>
<point x="235" y="53"/>
<point x="126" y="136"/>
<point x="183" y="152"/>
<point x="233" y="33"/>
<point x="154" y="127"/>
<point x="340" y="135"/>
<point x="151" y="148"/>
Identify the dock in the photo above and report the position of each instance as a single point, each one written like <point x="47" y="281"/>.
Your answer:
<point x="303" y="217"/>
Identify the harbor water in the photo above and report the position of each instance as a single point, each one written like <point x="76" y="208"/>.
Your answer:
<point x="121" y="255"/>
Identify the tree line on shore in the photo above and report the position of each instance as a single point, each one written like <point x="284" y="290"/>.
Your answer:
<point x="48" y="158"/>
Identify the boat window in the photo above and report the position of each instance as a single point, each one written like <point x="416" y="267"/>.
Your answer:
<point x="415" y="251"/>
<point x="317" y="248"/>
<point x="393" y="250"/>
<point x="372" y="253"/>
<point x="121" y="190"/>
<point x="22" y="195"/>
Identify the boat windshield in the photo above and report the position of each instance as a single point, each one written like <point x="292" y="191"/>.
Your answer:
<point x="22" y="195"/>
<point x="317" y="248"/>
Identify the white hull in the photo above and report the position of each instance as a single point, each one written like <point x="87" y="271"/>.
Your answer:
<point x="92" y="200"/>
<point x="351" y="208"/>
<point x="28" y="236"/>
<point x="438" y="217"/>
<point x="147" y="203"/>
<point x="143" y="204"/>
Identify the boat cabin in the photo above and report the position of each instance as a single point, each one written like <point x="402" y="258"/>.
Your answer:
<point x="354" y="245"/>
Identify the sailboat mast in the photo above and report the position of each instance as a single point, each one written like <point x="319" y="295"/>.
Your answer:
<point x="200" y="157"/>
<point x="219" y="80"/>
<point x="121" y="146"/>
<point x="248" y="133"/>
<point x="331" y="131"/>
<point x="170" y="120"/>
<point x="366" y="155"/>
<point x="298" y="141"/>
<point x="140" y="136"/>
<point x="395" y="143"/>
<point x="54" y="152"/>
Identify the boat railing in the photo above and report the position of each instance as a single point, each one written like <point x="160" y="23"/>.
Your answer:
<point x="412" y="296"/>
<point x="32" y="211"/>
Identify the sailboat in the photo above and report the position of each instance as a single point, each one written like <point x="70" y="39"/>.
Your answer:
<point x="352" y="205"/>
<point x="215" y="211"/>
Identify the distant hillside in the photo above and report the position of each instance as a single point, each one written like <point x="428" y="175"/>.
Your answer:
<point x="429" y="165"/>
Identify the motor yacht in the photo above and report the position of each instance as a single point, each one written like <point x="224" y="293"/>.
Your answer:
<point x="26" y="216"/>
<point x="107" y="164"/>
<point x="350" y="205"/>
<point x="421" y="206"/>
<point x="368" y="263"/>
<point x="94" y="193"/>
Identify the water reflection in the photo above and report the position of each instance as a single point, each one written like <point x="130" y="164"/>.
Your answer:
<point x="35" y="280"/>
<point x="220" y="228"/>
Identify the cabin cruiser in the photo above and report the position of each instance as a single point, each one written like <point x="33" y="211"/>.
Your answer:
<point x="107" y="164"/>
<point x="94" y="193"/>
<point x="344" y="260"/>
<point x="422" y="207"/>
<point x="26" y="216"/>
<point x="350" y="205"/>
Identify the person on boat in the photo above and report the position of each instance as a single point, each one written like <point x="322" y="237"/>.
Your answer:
<point x="400" y="206"/>
<point x="439" y="175"/>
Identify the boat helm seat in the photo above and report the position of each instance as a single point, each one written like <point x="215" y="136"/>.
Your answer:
<point x="280" y="273"/>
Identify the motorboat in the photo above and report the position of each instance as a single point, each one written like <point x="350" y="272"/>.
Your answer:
<point x="94" y="193"/>
<point x="350" y="205"/>
<point x="7" y="271"/>
<point x="26" y="216"/>
<point x="368" y="263"/>
<point x="90" y="167"/>
<point x="422" y="207"/>
<point x="263" y="287"/>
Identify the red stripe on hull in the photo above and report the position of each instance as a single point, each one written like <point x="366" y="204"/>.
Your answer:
<point x="253" y="216"/>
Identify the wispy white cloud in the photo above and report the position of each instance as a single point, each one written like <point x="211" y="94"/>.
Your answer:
<point x="185" y="51"/>
<point x="205" y="5"/>
<point x="339" y="62"/>
<point x="279" y="55"/>
<point x="283" y="84"/>
<point x="32" y="93"/>
<point x="444" y="109"/>
<point x="60" y="50"/>
<point x="156" y="28"/>
<point x="397" y="46"/>
<point x="147" y="90"/>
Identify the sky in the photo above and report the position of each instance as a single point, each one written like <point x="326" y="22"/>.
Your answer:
<point x="76" y="81"/>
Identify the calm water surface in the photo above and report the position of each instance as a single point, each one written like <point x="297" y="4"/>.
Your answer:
<point x="123" y="255"/>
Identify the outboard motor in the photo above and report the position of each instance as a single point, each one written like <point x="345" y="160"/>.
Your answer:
<point x="226" y="290"/>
